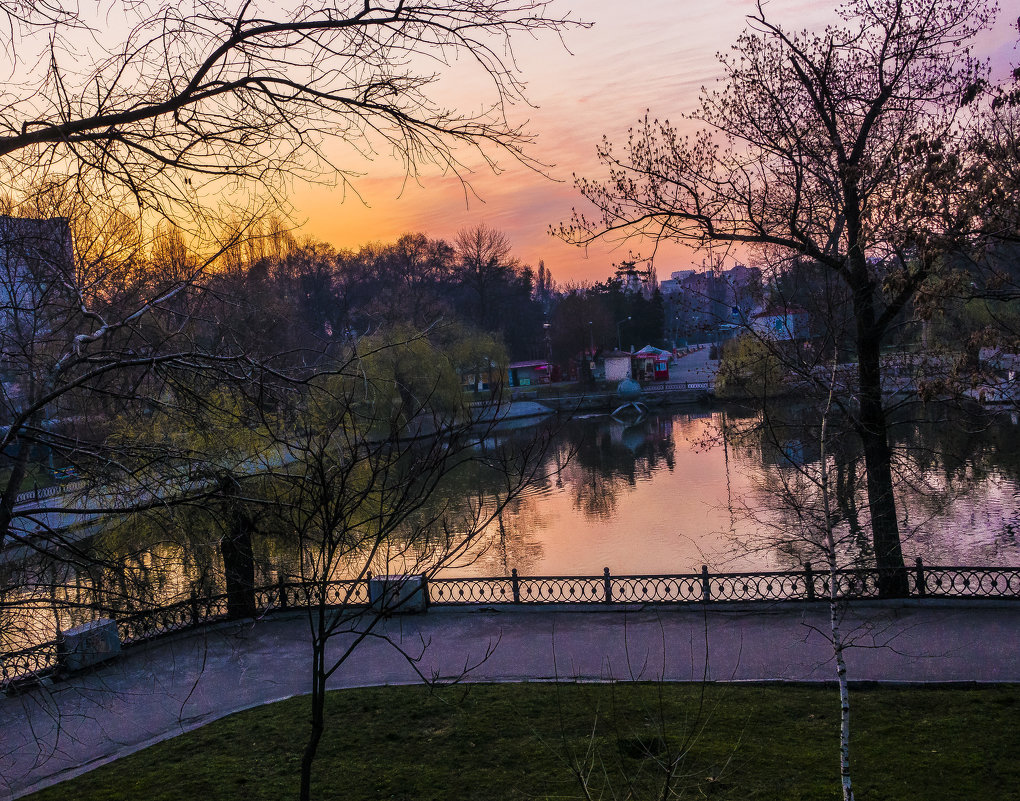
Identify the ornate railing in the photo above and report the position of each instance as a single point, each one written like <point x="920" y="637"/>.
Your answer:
<point x="794" y="585"/>
<point x="919" y="581"/>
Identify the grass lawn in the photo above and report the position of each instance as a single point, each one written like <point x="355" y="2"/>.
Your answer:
<point x="518" y="742"/>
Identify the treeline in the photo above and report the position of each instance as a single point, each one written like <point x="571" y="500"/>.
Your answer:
<point x="605" y="314"/>
<point x="281" y="295"/>
<point x="274" y="293"/>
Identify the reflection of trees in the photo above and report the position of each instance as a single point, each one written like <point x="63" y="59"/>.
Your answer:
<point x="961" y="466"/>
<point x="612" y="455"/>
<point x="512" y="541"/>
<point x="957" y="475"/>
<point x="126" y="570"/>
<point x="167" y="554"/>
<point x="944" y="456"/>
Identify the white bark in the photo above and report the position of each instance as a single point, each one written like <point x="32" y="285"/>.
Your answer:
<point x="838" y="643"/>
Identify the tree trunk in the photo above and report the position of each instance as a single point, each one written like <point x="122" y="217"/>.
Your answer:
<point x="318" y="699"/>
<point x="892" y="574"/>
<point x="838" y="642"/>
<point x="10" y="494"/>
<point x="239" y="568"/>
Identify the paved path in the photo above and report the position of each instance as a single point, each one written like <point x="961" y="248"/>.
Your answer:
<point x="694" y="367"/>
<point x="178" y="683"/>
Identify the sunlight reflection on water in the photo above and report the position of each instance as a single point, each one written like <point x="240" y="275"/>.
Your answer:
<point x="666" y="496"/>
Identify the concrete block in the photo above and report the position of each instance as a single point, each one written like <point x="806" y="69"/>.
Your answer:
<point x="87" y="644"/>
<point x="398" y="594"/>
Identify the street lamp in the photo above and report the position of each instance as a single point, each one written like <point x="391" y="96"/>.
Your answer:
<point x="619" y="345"/>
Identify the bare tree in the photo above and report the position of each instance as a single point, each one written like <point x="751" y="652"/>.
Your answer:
<point x="189" y="116"/>
<point x="839" y="146"/>
<point x="384" y="449"/>
<point x="805" y="491"/>
<point x="485" y="266"/>
<point x="174" y="106"/>
<point x="177" y="109"/>
<point x="85" y="341"/>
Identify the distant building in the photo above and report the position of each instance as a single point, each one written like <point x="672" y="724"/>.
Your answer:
<point x="612" y="366"/>
<point x="698" y="305"/>
<point x="781" y="323"/>
<point x="483" y="376"/>
<point x="36" y="257"/>
<point x="675" y="281"/>
<point x="526" y="374"/>
<point x="650" y="364"/>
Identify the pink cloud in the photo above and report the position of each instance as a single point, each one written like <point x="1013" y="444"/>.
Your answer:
<point x="655" y="55"/>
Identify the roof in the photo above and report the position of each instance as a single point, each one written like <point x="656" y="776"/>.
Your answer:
<point x="779" y="311"/>
<point x="650" y="352"/>
<point x="524" y="365"/>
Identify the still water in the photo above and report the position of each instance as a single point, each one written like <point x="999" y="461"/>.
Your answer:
<point x="679" y="489"/>
<point x="663" y="494"/>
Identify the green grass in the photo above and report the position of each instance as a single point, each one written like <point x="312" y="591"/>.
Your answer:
<point x="516" y="741"/>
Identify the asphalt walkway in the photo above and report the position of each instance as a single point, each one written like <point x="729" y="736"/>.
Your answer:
<point x="158" y="690"/>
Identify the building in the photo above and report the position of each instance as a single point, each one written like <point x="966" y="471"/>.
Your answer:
<point x="36" y="264"/>
<point x="483" y="376"/>
<point x="526" y="374"/>
<point x="612" y="366"/>
<point x="650" y="364"/>
<point x="698" y="304"/>
<point x="781" y="323"/>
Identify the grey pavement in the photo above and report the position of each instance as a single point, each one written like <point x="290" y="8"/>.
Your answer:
<point x="158" y="690"/>
<point x="695" y="366"/>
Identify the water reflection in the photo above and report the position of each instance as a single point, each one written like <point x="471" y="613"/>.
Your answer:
<point x="676" y="490"/>
<point x="664" y="494"/>
<point x="955" y="474"/>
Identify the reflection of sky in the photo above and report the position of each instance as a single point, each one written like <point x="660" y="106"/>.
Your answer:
<point x="652" y="520"/>
<point x="654" y="55"/>
<point x="712" y="507"/>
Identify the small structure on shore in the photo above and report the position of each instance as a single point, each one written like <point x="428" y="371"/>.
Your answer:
<point x="612" y="366"/>
<point x="650" y="364"/>
<point x="526" y="374"/>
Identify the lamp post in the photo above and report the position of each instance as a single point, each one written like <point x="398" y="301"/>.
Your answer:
<point x="586" y="367"/>
<point x="619" y="345"/>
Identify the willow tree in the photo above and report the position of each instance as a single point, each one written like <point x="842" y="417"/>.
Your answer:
<point x="198" y="114"/>
<point x="840" y="147"/>
<point x="385" y="449"/>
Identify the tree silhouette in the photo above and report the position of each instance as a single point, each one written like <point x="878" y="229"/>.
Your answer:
<point x="841" y="146"/>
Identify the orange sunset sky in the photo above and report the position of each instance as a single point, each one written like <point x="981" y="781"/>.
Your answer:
<point x="638" y="55"/>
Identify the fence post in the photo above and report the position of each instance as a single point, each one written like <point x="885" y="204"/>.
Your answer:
<point x="97" y="595"/>
<point x="922" y="589"/>
<point x="706" y="587"/>
<point x="516" y="585"/>
<point x="194" y="608"/>
<point x="282" y="589"/>
<point x="809" y="578"/>
<point x="608" y="585"/>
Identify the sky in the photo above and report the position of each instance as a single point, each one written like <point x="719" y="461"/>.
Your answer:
<point x="639" y="55"/>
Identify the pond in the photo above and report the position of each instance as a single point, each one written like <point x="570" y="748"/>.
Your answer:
<point x="663" y="494"/>
<point x="686" y="487"/>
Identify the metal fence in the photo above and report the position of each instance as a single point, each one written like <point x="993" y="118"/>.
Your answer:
<point x="44" y="493"/>
<point x="921" y="581"/>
